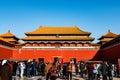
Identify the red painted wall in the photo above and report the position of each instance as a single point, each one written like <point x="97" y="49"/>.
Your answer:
<point x="5" y="53"/>
<point x="112" y="53"/>
<point x="49" y="55"/>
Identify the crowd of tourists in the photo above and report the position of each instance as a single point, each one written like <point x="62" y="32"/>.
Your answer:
<point x="52" y="71"/>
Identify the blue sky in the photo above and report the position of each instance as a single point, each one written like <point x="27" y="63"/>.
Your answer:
<point x="95" y="16"/>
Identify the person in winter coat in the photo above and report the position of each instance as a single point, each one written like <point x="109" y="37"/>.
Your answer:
<point x="15" y="65"/>
<point x="53" y="72"/>
<point x="82" y="69"/>
<point x="0" y="69"/>
<point x="104" y="70"/>
<point x="34" y="63"/>
<point x="90" y="68"/>
<point x="64" y="71"/>
<point x="22" y="67"/>
<point x="28" y="66"/>
<point x="69" y="70"/>
<point x="6" y="71"/>
<point x="47" y="68"/>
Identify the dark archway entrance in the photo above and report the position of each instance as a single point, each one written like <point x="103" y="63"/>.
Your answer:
<point x="73" y="60"/>
<point x="41" y="59"/>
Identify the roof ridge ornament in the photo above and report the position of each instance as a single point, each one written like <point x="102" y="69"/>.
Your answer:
<point x="8" y="30"/>
<point x="41" y="26"/>
<point x="108" y="30"/>
<point x="76" y="26"/>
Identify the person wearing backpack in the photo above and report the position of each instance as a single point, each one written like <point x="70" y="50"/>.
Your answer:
<point x="53" y="72"/>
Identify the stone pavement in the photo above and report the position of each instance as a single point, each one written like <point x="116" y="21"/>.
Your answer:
<point x="43" y="78"/>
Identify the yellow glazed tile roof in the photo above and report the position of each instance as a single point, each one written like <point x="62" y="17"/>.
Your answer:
<point x="8" y="34"/>
<point x="58" y="30"/>
<point x="4" y="40"/>
<point x="12" y="40"/>
<point x="106" y="40"/>
<point x="55" y="38"/>
<point x="108" y="34"/>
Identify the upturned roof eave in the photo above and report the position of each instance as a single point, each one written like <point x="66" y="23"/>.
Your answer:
<point x="106" y="37"/>
<point x="8" y="35"/>
<point x="29" y="33"/>
<point x="25" y="39"/>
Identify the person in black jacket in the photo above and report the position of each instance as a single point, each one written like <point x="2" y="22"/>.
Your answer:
<point x="0" y="68"/>
<point x="110" y="69"/>
<point x="104" y="70"/>
<point x="6" y="71"/>
<point x="15" y="65"/>
<point x="28" y="68"/>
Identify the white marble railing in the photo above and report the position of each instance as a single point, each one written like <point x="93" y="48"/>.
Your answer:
<point x="29" y="47"/>
<point x="76" y="47"/>
<point x="52" y="47"/>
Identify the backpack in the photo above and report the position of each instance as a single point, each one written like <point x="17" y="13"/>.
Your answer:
<point x="52" y="71"/>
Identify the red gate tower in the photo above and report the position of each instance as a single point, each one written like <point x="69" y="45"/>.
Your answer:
<point x="53" y="43"/>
